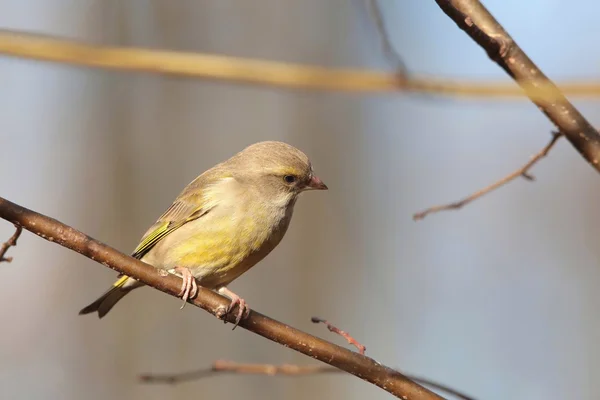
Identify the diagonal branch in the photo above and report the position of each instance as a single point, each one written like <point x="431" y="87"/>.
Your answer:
<point x="11" y="242"/>
<point x="522" y="171"/>
<point x="222" y="367"/>
<point x="364" y="367"/>
<point x="472" y="17"/>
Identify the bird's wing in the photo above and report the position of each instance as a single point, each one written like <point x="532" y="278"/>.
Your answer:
<point x="190" y="205"/>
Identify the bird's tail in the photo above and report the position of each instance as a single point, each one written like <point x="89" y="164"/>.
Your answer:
<point x="107" y="301"/>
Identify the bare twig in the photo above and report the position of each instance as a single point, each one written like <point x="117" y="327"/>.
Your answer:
<point x="332" y="328"/>
<point x="522" y="171"/>
<point x="359" y="365"/>
<point x="9" y="243"/>
<point x="388" y="48"/>
<point x="228" y="367"/>
<point x="222" y="367"/>
<point x="266" y="73"/>
<point x="472" y="17"/>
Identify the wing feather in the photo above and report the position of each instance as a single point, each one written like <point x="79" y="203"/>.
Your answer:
<point x="190" y="205"/>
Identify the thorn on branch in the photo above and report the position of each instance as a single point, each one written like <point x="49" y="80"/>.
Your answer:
<point x="332" y="328"/>
<point x="521" y="172"/>
<point x="10" y="243"/>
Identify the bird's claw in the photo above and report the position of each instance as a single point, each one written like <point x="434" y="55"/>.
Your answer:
<point x="189" y="287"/>
<point x="243" y="308"/>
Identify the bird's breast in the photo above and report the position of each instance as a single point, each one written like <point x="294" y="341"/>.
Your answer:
<point x="224" y="244"/>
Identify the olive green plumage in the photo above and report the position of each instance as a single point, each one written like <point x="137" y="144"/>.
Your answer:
<point x="225" y="221"/>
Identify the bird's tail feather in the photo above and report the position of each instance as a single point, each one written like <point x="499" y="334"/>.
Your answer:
<point x="107" y="301"/>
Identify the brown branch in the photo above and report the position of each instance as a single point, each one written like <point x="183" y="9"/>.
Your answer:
<point x="222" y="367"/>
<point x="332" y="328"/>
<point x="523" y="171"/>
<point x="359" y="365"/>
<point x="10" y="243"/>
<point x="265" y="73"/>
<point x="472" y="17"/>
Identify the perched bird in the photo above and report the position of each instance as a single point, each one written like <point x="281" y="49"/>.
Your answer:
<point x="223" y="223"/>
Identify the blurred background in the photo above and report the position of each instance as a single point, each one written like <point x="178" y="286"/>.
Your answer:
<point x="499" y="299"/>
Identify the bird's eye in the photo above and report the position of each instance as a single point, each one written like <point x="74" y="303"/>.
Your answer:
<point x="289" y="178"/>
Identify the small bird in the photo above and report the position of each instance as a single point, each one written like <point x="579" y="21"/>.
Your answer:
<point x="223" y="223"/>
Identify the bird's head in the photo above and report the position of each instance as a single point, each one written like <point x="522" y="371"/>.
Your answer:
<point x="277" y="169"/>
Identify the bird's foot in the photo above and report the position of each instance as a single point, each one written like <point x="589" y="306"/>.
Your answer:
<point x="243" y="308"/>
<point x="189" y="287"/>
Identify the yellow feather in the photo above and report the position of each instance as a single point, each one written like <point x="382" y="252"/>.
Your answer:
<point x="121" y="281"/>
<point x="151" y="239"/>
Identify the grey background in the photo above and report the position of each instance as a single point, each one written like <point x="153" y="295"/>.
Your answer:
<point x="498" y="299"/>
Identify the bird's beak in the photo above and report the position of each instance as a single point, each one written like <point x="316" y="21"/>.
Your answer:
<point x="316" y="184"/>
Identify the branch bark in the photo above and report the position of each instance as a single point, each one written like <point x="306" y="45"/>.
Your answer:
<point x="473" y="18"/>
<point x="356" y="364"/>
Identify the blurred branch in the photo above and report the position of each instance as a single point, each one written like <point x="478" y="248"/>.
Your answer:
<point x="523" y="171"/>
<point x="332" y="328"/>
<point x="359" y="365"/>
<point x="472" y="17"/>
<point x="389" y="51"/>
<point x="266" y="73"/>
<point x="12" y="241"/>
<point x="222" y="367"/>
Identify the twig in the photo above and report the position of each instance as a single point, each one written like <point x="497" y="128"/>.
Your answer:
<point x="364" y="367"/>
<point x="265" y="73"/>
<point x="9" y="243"/>
<point x="332" y="328"/>
<point x="473" y="18"/>
<point x="523" y="172"/>
<point x="386" y="44"/>
<point x="222" y="367"/>
<point x="228" y="367"/>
